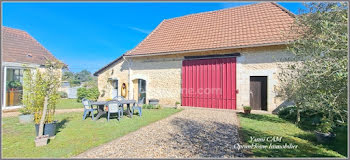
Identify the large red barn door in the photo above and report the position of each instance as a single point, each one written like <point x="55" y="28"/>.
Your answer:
<point x="209" y="83"/>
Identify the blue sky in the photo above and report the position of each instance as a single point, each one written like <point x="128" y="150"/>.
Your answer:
<point x="90" y="35"/>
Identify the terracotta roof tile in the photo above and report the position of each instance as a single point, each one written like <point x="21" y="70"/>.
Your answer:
<point x="255" y="24"/>
<point x="19" y="46"/>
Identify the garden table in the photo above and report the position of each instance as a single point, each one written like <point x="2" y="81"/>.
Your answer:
<point x="101" y="105"/>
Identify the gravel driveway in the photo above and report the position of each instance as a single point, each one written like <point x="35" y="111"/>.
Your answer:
<point x="192" y="133"/>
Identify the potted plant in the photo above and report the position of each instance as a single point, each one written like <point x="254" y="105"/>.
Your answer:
<point x="26" y="115"/>
<point x="177" y="104"/>
<point x="247" y="109"/>
<point x="12" y="87"/>
<point x="42" y="96"/>
<point x="324" y="132"/>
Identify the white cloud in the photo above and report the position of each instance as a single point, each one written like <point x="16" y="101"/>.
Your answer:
<point x="140" y="30"/>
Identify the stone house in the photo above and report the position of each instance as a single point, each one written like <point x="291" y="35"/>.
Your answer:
<point x="220" y="59"/>
<point x="19" y="51"/>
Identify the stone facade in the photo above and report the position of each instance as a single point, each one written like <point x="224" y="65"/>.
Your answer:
<point x="163" y="74"/>
<point x="118" y="71"/>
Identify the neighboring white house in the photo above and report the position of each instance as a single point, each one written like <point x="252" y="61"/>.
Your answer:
<point x="19" y="50"/>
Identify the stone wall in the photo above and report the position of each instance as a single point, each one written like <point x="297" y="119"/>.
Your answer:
<point x="163" y="74"/>
<point x="119" y="71"/>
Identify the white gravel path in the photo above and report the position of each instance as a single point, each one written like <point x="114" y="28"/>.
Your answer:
<point x="192" y="133"/>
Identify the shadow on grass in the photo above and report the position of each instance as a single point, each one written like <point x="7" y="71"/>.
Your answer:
<point x="62" y="124"/>
<point x="260" y="117"/>
<point x="338" y="144"/>
<point x="207" y="139"/>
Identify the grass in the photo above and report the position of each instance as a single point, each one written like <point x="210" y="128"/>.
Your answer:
<point x="74" y="135"/>
<point x="260" y="126"/>
<point x="68" y="104"/>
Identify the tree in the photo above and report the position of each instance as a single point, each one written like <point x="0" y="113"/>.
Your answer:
<point x="83" y="76"/>
<point x="318" y="78"/>
<point x="67" y="76"/>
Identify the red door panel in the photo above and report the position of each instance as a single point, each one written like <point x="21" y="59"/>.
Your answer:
<point x="209" y="83"/>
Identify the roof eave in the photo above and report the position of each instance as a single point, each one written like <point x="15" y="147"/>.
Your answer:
<point x="208" y="49"/>
<point x="108" y="65"/>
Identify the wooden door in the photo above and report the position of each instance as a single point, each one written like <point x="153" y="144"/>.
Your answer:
<point x="258" y="92"/>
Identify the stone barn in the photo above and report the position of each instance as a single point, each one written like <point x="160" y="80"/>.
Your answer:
<point x="222" y="59"/>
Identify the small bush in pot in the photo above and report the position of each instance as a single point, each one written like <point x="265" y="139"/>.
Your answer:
<point x="247" y="109"/>
<point x="41" y="94"/>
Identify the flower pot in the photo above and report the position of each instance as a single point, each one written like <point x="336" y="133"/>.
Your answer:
<point x="247" y="111"/>
<point x="324" y="137"/>
<point x="176" y="106"/>
<point x="49" y="129"/>
<point x="26" y="118"/>
<point x="41" y="140"/>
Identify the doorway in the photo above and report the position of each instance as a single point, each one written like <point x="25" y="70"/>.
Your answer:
<point x="258" y="92"/>
<point x="209" y="83"/>
<point x="115" y="88"/>
<point x="142" y="90"/>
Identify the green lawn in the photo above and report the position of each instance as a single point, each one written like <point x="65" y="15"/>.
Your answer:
<point x="260" y="126"/>
<point x="68" y="104"/>
<point x="74" y="135"/>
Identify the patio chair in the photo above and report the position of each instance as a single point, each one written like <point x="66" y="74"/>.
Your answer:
<point x="138" y="106"/>
<point x="119" y="98"/>
<point x="114" y="107"/>
<point x="87" y="108"/>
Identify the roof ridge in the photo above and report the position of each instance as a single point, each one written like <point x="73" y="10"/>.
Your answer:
<point x="219" y="10"/>
<point x="10" y="28"/>
<point x="41" y="46"/>
<point x="284" y="9"/>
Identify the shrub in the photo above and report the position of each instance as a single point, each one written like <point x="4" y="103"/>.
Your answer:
<point x="90" y="94"/>
<point x="325" y="126"/>
<point x="150" y="106"/>
<point x="74" y="83"/>
<point x="25" y="110"/>
<point x="63" y="94"/>
<point x="177" y="103"/>
<point x="159" y="107"/>
<point x="288" y="113"/>
<point x="247" y="108"/>
<point x="309" y="120"/>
